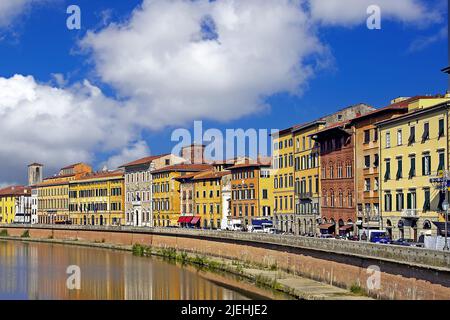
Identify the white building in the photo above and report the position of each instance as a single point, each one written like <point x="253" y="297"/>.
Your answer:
<point x="23" y="207"/>
<point x="138" y="187"/>
<point x="34" y="206"/>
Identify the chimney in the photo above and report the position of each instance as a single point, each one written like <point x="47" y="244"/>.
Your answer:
<point x="194" y="153"/>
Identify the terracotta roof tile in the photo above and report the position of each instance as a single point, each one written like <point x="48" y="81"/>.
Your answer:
<point x="184" y="167"/>
<point x="15" y="191"/>
<point x="99" y="175"/>
<point x="144" y="160"/>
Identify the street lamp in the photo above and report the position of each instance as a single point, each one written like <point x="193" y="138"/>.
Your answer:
<point x="445" y="208"/>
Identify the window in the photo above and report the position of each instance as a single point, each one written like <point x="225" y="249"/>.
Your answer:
<point x="441" y="200"/>
<point x="339" y="170"/>
<point x="349" y="169"/>
<point x="411" y="200"/>
<point x="399" y="169"/>
<point x="375" y="184"/>
<point x="441" y="132"/>
<point x="426" y="202"/>
<point x="387" y="202"/>
<point x="367" y="161"/>
<point x="399" y="137"/>
<point x="412" y="168"/>
<point x="366" y="136"/>
<point x="388" y="139"/>
<point x="412" y="135"/>
<point x="376" y="160"/>
<point x="441" y="160"/>
<point x="366" y="184"/>
<point x="426" y="132"/>
<point x="426" y="164"/>
<point x="387" y="174"/>
<point x="399" y="201"/>
<point x="375" y="135"/>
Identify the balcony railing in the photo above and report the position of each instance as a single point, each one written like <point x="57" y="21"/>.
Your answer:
<point x="305" y="195"/>
<point x="410" y="213"/>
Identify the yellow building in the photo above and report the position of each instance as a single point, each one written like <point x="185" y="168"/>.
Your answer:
<point x="208" y="202"/>
<point x="251" y="191"/>
<point x="97" y="199"/>
<point x="413" y="149"/>
<point x="53" y="194"/>
<point x="306" y="175"/>
<point x="166" y="192"/>
<point x="12" y="202"/>
<point x="283" y="179"/>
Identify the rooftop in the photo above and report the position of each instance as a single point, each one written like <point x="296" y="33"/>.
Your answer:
<point x="145" y="160"/>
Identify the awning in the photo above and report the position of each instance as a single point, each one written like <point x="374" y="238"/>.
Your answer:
<point x="346" y="227"/>
<point x="184" y="219"/>
<point x="195" y="220"/>
<point x="441" y="227"/>
<point x="326" y="226"/>
<point x="260" y="222"/>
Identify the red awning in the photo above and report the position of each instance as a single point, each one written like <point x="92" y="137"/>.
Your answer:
<point x="195" y="220"/>
<point x="188" y="219"/>
<point x="326" y="226"/>
<point x="180" y="219"/>
<point x="346" y="227"/>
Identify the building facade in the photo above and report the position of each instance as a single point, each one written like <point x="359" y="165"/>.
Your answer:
<point x="138" y="187"/>
<point x="306" y="175"/>
<point x="367" y="163"/>
<point x="251" y="190"/>
<point x="283" y="179"/>
<point x="53" y="194"/>
<point x="166" y="192"/>
<point x="15" y="204"/>
<point x="98" y="199"/>
<point x="413" y="149"/>
<point x="337" y="178"/>
<point x="208" y="201"/>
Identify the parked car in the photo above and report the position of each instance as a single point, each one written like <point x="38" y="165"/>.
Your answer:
<point x="402" y="242"/>
<point x="271" y="231"/>
<point x="256" y="229"/>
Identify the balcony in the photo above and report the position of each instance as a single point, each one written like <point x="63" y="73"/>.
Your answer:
<point x="305" y="195"/>
<point x="410" y="213"/>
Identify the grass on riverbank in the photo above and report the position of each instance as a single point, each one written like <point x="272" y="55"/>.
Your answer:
<point x="205" y="263"/>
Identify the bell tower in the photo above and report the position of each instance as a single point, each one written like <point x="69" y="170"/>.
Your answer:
<point x="35" y="173"/>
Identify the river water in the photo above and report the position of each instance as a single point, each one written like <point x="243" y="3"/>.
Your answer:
<point x="30" y="270"/>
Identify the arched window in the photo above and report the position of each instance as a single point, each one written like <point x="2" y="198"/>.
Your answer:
<point x="348" y="169"/>
<point x="341" y="198"/>
<point x="350" y="199"/>
<point x="331" y="198"/>
<point x="331" y="169"/>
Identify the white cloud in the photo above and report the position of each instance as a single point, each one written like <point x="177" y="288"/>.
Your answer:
<point x="11" y="9"/>
<point x="425" y="41"/>
<point x="353" y="12"/>
<point x="135" y="151"/>
<point x="159" y="62"/>
<point x="56" y="126"/>
<point x="168" y="70"/>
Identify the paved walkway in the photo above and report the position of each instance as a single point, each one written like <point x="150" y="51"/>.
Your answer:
<point x="305" y="288"/>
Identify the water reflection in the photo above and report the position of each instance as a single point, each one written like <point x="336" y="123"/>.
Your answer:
<point x="38" y="271"/>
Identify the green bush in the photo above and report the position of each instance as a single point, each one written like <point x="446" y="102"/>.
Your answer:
<point x="356" y="289"/>
<point x="26" y="234"/>
<point x="4" y="233"/>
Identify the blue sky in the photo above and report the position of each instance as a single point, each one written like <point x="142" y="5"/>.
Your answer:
<point x="371" y="66"/>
